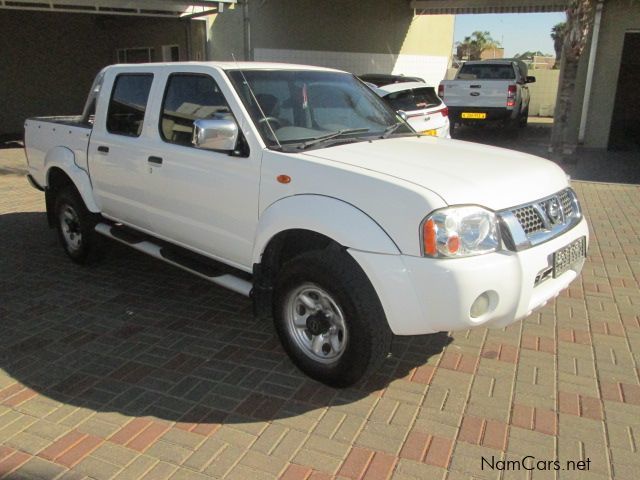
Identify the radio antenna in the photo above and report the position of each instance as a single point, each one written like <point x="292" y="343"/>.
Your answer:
<point x="264" y="117"/>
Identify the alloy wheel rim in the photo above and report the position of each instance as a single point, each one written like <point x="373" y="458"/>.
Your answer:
<point x="70" y="227"/>
<point x="316" y="323"/>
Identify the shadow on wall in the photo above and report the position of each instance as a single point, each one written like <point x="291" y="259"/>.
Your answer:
<point x="135" y="336"/>
<point x="306" y="26"/>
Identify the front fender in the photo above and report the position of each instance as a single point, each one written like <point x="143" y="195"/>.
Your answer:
<point x="338" y="220"/>
<point x="63" y="158"/>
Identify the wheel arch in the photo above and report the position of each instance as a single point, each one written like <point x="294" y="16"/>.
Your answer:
<point x="303" y="223"/>
<point x="61" y="170"/>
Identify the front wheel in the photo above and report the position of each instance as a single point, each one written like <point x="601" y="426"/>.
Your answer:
<point x="329" y="318"/>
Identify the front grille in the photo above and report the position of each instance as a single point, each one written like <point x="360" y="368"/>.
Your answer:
<point x="529" y="219"/>
<point x="539" y="221"/>
<point x="567" y="203"/>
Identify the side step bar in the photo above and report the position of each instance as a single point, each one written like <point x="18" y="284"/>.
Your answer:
<point x="188" y="262"/>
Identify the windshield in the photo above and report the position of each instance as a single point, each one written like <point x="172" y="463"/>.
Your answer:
<point x="413" y="99"/>
<point x="487" y="71"/>
<point x="302" y="108"/>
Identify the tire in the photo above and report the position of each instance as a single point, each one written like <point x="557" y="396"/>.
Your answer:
<point x="524" y="118"/>
<point x="76" y="226"/>
<point x="338" y="312"/>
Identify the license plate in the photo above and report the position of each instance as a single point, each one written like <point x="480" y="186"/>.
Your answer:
<point x="568" y="256"/>
<point x="474" y="115"/>
<point x="430" y="133"/>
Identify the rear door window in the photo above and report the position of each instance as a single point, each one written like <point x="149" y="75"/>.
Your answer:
<point x="414" y="99"/>
<point x="128" y="104"/>
<point x="487" y="72"/>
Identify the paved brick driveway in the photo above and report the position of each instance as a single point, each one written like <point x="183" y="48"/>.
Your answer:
<point x="134" y="369"/>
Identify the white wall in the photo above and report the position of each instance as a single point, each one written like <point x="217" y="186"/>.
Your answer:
<point x="431" y="68"/>
<point x="543" y="92"/>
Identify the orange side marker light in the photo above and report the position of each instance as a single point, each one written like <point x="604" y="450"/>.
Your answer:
<point x="283" y="179"/>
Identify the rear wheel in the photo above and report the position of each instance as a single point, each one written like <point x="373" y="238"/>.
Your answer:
<point x="524" y="118"/>
<point x="75" y="226"/>
<point x="329" y="318"/>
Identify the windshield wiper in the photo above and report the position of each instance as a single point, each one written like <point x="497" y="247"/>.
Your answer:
<point x="391" y="129"/>
<point x="329" y="136"/>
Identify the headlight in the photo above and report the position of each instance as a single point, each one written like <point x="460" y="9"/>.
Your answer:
<point x="460" y="232"/>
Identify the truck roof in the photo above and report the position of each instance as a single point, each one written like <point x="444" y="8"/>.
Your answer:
<point x="497" y="60"/>
<point x="226" y="66"/>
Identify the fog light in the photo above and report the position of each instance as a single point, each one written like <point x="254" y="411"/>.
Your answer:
<point x="481" y="305"/>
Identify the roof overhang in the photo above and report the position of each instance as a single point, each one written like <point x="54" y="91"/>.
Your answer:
<point x="152" y="8"/>
<point x="454" y="7"/>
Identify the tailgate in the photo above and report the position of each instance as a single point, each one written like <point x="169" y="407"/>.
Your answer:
<point x="476" y="93"/>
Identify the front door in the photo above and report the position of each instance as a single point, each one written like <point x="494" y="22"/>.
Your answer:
<point x="201" y="199"/>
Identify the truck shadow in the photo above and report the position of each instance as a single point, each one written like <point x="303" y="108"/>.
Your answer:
<point x="135" y="336"/>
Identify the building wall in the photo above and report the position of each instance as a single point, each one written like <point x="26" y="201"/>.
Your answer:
<point x="50" y="59"/>
<point x="618" y="17"/>
<point x="384" y="37"/>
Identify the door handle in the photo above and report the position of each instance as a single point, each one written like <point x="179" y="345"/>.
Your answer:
<point x="103" y="149"/>
<point x="155" y="160"/>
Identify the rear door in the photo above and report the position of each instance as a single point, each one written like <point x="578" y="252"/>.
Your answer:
<point x="117" y="160"/>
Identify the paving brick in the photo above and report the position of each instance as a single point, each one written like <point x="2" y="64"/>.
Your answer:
<point x="546" y="421"/>
<point x="61" y="445"/>
<point x="13" y="461"/>
<point x="471" y="430"/>
<point x="381" y="467"/>
<point x="356" y="463"/>
<point x="296" y="472"/>
<point x="79" y="451"/>
<point x="38" y="468"/>
<point x="495" y="434"/>
<point x="148" y="436"/>
<point x="415" y="446"/>
<point x="522" y="416"/>
<point x="130" y="431"/>
<point x="439" y="452"/>
<point x="569" y="403"/>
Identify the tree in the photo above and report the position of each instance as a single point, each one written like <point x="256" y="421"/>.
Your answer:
<point x="557" y="35"/>
<point x="528" y="55"/>
<point x="579" y="22"/>
<point x="472" y="46"/>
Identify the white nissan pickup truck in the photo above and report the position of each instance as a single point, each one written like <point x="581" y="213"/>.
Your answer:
<point x="302" y="189"/>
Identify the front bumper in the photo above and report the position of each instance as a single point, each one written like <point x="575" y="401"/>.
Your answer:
<point x="423" y="295"/>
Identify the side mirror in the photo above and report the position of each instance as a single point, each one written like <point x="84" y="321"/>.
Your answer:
<point x="531" y="80"/>
<point x="215" y="134"/>
<point x="403" y="115"/>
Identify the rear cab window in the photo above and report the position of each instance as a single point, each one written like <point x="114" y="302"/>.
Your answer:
<point x="128" y="103"/>
<point x="414" y="99"/>
<point x="495" y="71"/>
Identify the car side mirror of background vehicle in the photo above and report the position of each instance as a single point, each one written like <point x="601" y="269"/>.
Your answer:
<point x="215" y="134"/>
<point x="403" y="115"/>
<point x="531" y="80"/>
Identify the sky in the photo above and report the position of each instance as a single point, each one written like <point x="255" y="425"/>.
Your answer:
<point x="518" y="32"/>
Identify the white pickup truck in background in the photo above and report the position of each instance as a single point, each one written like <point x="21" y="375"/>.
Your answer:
<point x="301" y="188"/>
<point x="488" y="91"/>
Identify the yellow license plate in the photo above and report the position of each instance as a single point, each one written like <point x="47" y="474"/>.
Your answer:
<point x="474" y="115"/>
<point x="430" y="133"/>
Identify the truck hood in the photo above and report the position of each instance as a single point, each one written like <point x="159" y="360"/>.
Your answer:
<point x="459" y="172"/>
